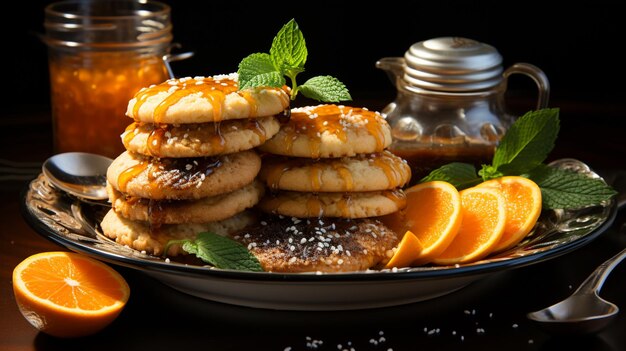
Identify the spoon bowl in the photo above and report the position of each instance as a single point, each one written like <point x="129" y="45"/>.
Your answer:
<point x="579" y="313"/>
<point x="79" y="174"/>
<point x="584" y="312"/>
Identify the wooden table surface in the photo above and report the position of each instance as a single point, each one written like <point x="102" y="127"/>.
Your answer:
<point x="489" y="314"/>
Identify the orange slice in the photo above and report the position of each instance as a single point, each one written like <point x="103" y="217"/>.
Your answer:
<point x="408" y="250"/>
<point x="523" y="207"/>
<point x="433" y="214"/>
<point x="484" y="218"/>
<point x="66" y="294"/>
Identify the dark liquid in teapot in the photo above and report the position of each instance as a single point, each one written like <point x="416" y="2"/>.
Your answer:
<point x="424" y="160"/>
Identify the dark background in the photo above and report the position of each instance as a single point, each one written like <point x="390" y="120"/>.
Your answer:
<point x="578" y="47"/>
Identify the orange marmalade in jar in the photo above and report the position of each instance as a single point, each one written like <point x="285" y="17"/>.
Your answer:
<point x="101" y="53"/>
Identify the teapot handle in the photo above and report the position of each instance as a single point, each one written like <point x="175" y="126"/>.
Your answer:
<point x="537" y="75"/>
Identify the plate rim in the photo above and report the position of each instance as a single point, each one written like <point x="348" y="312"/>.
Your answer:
<point x="361" y="276"/>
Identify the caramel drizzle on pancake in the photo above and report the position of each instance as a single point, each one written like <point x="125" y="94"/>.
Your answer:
<point x="331" y="119"/>
<point x="344" y="205"/>
<point x="156" y="209"/>
<point x="129" y="174"/>
<point x="217" y="141"/>
<point x="156" y="214"/>
<point x="391" y="165"/>
<point x="155" y="139"/>
<point x="211" y="88"/>
<point x="159" y="134"/>
<point x="130" y="133"/>
<point x="275" y="167"/>
<point x="257" y="128"/>
<point x="173" y="173"/>
<point x="345" y="175"/>
<point x="315" y="206"/>
<point x="397" y="196"/>
<point x="275" y="173"/>
<point x="254" y="107"/>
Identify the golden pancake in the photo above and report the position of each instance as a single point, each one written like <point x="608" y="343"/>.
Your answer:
<point x="365" y="172"/>
<point x="330" y="131"/>
<point x="344" y="205"/>
<point x="184" y="178"/>
<point x="325" y="245"/>
<point x="206" y="209"/>
<point x="199" y="140"/>
<point x="141" y="236"/>
<point x="204" y="99"/>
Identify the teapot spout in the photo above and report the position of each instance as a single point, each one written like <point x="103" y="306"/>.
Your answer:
<point x="393" y="66"/>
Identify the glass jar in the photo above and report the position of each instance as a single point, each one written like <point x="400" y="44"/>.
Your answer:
<point x="101" y="53"/>
<point x="450" y="104"/>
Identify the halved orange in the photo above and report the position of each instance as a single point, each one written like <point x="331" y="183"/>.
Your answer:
<point x="408" y="250"/>
<point x="484" y="218"/>
<point x="523" y="207"/>
<point x="433" y="214"/>
<point x="66" y="294"/>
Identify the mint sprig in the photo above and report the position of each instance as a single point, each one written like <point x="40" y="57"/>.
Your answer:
<point x="527" y="143"/>
<point x="562" y="188"/>
<point x="522" y="151"/>
<point x="287" y="57"/>
<point x="219" y="251"/>
<point x="461" y="175"/>
<point x="288" y="52"/>
<point x="258" y="70"/>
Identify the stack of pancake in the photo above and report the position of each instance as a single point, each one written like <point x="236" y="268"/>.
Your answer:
<point x="329" y="174"/>
<point x="190" y="164"/>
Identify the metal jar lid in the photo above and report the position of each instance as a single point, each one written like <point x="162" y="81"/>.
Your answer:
<point x="108" y="25"/>
<point x="452" y="64"/>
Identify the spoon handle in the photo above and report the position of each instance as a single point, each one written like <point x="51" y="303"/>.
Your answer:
<point x="594" y="282"/>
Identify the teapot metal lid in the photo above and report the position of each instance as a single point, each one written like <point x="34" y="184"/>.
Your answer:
<point x="452" y="64"/>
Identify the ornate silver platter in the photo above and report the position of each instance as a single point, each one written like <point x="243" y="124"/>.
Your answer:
<point x="75" y="225"/>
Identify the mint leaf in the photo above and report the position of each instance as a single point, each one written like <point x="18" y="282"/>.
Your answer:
<point x="258" y="64"/>
<point x="220" y="251"/>
<point x="287" y="57"/>
<point x="528" y="142"/>
<point x="325" y="88"/>
<point x="289" y="48"/>
<point x="270" y="79"/>
<point x="568" y="189"/>
<point x="461" y="175"/>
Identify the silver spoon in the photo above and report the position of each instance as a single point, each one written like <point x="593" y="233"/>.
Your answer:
<point x="584" y="311"/>
<point x="78" y="173"/>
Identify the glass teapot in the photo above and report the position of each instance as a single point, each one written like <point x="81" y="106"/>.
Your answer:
<point x="450" y="105"/>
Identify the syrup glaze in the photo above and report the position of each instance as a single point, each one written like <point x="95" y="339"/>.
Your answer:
<point x="214" y="89"/>
<point x="392" y="166"/>
<point x="317" y="202"/>
<point x="160" y="134"/>
<point x="315" y="121"/>
<point x="181" y="173"/>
